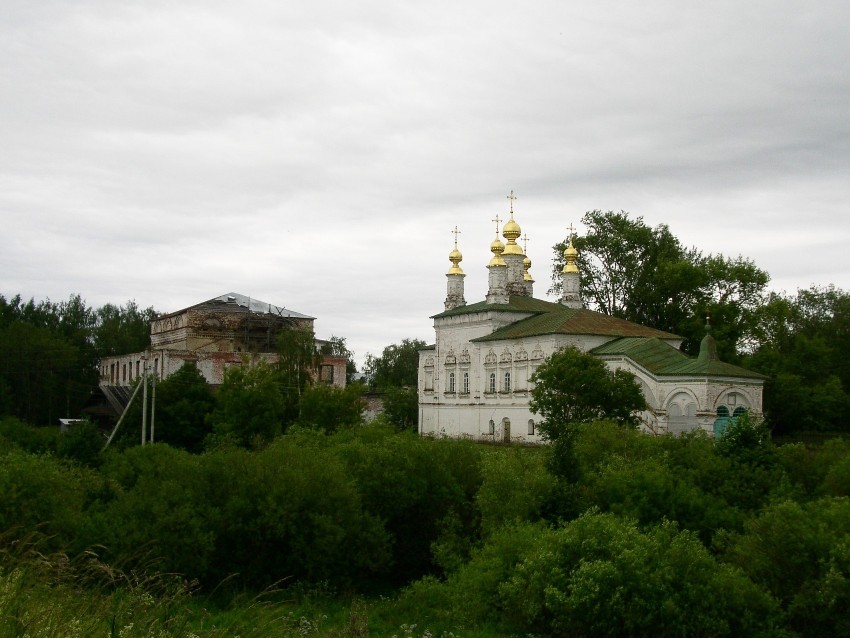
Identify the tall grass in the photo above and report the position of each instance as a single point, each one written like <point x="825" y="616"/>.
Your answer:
<point x="51" y="595"/>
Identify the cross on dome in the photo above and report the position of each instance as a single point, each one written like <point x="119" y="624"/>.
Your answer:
<point x="498" y="221"/>
<point x="512" y="197"/>
<point x="455" y="232"/>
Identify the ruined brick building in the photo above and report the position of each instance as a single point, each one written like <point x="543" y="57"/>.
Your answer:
<point x="214" y="335"/>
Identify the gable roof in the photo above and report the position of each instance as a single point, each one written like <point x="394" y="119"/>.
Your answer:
<point x="242" y="303"/>
<point x="554" y="318"/>
<point x="662" y="359"/>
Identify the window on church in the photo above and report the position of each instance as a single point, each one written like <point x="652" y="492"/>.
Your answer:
<point x="739" y="411"/>
<point x="507" y="386"/>
<point x="492" y="387"/>
<point x="722" y="410"/>
<point x="466" y="383"/>
<point x="492" y="426"/>
<point x="451" y="381"/>
<point x="326" y="374"/>
<point x="531" y="426"/>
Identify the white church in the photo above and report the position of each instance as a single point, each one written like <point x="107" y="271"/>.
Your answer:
<point x="475" y="380"/>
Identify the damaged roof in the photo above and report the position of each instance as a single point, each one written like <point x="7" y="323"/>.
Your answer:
<point x="236" y="301"/>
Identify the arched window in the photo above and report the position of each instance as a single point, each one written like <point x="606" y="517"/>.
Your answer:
<point x="739" y="411"/>
<point x="492" y="387"/>
<point x="492" y="426"/>
<point x="466" y="383"/>
<point x="451" y="381"/>
<point x="531" y="426"/>
<point x="507" y="387"/>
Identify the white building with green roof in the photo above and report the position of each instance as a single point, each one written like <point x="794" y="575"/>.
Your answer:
<point x="475" y="380"/>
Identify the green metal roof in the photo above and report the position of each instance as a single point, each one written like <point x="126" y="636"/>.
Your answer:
<point x="662" y="359"/>
<point x="554" y="318"/>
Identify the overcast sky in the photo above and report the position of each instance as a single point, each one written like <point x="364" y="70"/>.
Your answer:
<point x="316" y="155"/>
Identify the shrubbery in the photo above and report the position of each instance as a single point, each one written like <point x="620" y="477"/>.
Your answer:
<point x="662" y="535"/>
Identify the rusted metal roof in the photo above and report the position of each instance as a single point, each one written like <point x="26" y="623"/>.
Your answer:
<point x="239" y="302"/>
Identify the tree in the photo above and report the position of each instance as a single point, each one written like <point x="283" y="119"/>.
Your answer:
<point x="183" y="401"/>
<point x="298" y="361"/>
<point x="575" y="387"/>
<point x="251" y="409"/>
<point x="645" y="275"/>
<point x="122" y="329"/>
<point x="801" y="344"/>
<point x="401" y="407"/>
<point x="48" y="366"/>
<point x="328" y="408"/>
<point x="397" y="366"/>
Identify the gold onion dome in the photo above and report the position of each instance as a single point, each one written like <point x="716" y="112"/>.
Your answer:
<point x="570" y="254"/>
<point x="497" y="248"/>
<point x="455" y="257"/>
<point x="510" y="232"/>
<point x="526" y="265"/>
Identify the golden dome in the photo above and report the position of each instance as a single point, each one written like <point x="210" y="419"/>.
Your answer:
<point x="497" y="248"/>
<point x="510" y="232"/>
<point x="455" y="257"/>
<point x="526" y="265"/>
<point x="570" y="254"/>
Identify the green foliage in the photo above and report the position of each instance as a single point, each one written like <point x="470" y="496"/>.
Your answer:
<point x="574" y="387"/>
<point x="43" y="494"/>
<point x="183" y="402"/>
<point x="291" y="512"/>
<point x="600" y="575"/>
<point x="515" y="487"/>
<point x="748" y="441"/>
<point x="650" y="536"/>
<point x="157" y="511"/>
<point x="471" y="595"/>
<point x="33" y="439"/>
<point x="39" y="373"/>
<point x="645" y="275"/>
<point x="413" y="485"/>
<point x="799" y="553"/>
<point x="252" y="408"/>
<point x="82" y="443"/>
<point x="397" y="367"/>
<point x="401" y="407"/>
<point x="298" y="360"/>
<point x="329" y="408"/>
<point x="801" y="344"/>
<point x="49" y="353"/>
<point x="123" y="329"/>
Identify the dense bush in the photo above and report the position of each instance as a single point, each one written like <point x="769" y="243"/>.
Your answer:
<point x="39" y="493"/>
<point x="662" y="535"/>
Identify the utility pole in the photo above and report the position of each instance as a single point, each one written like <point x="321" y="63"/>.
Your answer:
<point x="145" y="401"/>
<point x="153" y="403"/>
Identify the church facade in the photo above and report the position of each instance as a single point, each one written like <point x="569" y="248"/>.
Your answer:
<point x="475" y="380"/>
